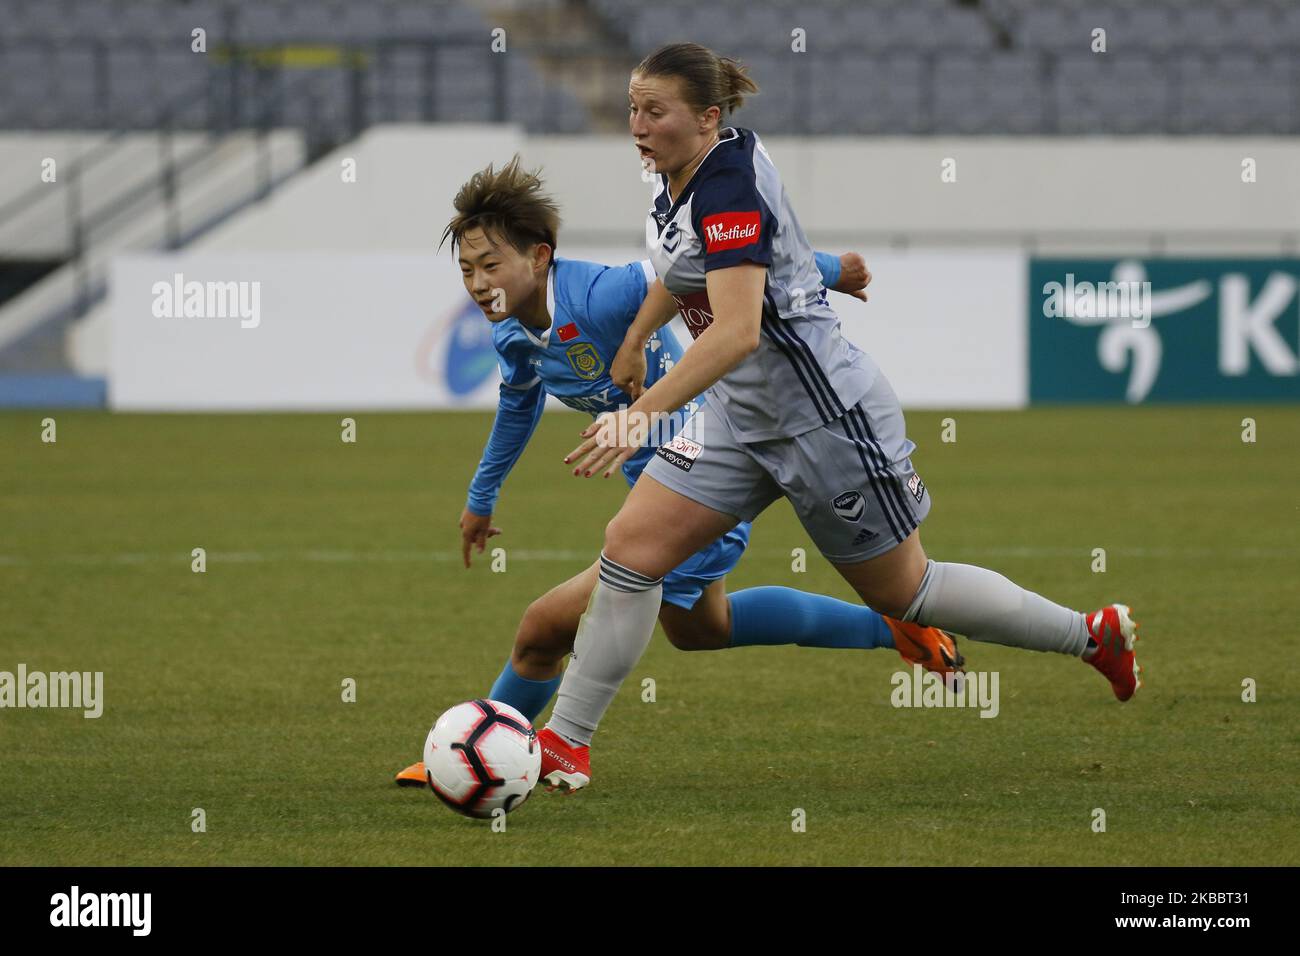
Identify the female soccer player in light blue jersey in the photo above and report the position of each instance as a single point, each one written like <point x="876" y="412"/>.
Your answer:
<point x="795" y="411"/>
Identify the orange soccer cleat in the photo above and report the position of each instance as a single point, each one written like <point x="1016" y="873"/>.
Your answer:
<point x="933" y="649"/>
<point x="412" y="776"/>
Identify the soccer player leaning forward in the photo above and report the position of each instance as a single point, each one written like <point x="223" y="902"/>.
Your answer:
<point x="556" y="325"/>
<point x="795" y="410"/>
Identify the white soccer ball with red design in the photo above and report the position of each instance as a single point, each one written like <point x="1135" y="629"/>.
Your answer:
<point x="482" y="756"/>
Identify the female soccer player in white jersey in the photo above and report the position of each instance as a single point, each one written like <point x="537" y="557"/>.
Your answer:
<point x="795" y="410"/>
<point x="556" y="327"/>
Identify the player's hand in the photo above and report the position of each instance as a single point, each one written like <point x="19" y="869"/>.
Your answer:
<point x="628" y="370"/>
<point x="854" y="276"/>
<point x="475" y="529"/>
<point x="609" y="441"/>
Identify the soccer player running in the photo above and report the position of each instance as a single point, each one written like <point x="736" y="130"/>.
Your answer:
<point x="795" y="410"/>
<point x="556" y="326"/>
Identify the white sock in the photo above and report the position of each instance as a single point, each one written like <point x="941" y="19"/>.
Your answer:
<point x="612" y="635"/>
<point x="985" y="606"/>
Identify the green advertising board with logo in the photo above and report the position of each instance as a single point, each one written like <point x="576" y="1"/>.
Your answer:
<point x="1164" y="330"/>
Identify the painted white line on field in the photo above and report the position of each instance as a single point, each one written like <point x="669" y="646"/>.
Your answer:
<point x="587" y="557"/>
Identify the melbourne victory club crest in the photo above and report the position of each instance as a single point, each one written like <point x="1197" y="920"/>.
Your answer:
<point x="670" y="244"/>
<point x="585" y="361"/>
<point x="917" y="487"/>
<point x="849" y="505"/>
<point x="671" y="239"/>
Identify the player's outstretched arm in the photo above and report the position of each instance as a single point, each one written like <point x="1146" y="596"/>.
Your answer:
<point x="628" y="370"/>
<point x="736" y="293"/>
<point x="518" y="411"/>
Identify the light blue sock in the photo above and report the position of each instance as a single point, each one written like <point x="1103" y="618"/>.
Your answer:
<point x="771" y="615"/>
<point x="529" y="697"/>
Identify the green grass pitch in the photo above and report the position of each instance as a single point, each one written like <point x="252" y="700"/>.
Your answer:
<point x="329" y="561"/>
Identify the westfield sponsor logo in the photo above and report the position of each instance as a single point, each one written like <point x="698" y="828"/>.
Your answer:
<point x="730" y="230"/>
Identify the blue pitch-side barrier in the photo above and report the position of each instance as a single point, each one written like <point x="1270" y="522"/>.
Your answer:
<point x="52" y="390"/>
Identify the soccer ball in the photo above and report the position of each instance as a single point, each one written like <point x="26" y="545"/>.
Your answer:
<point x="482" y="756"/>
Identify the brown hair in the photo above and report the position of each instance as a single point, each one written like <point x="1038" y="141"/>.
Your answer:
<point x="509" y="203"/>
<point x="707" y="78"/>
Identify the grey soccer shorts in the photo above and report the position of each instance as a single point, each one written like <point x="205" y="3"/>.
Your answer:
<point x="851" y="482"/>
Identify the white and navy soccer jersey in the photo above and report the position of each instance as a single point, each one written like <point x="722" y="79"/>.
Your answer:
<point x="592" y="306"/>
<point x="804" y="374"/>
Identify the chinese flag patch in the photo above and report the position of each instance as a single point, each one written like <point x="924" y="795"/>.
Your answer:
<point x="566" y="332"/>
<point x="731" y="230"/>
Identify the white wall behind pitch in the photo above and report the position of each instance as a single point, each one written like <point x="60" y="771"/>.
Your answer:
<point x="373" y="331"/>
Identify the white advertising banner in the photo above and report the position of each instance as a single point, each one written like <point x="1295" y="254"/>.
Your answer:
<point x="324" y="331"/>
<point x="945" y="326"/>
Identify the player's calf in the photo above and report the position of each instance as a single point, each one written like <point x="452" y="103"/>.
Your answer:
<point x="705" y="627"/>
<point x="544" y="639"/>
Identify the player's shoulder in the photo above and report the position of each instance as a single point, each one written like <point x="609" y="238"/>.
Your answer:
<point x="734" y="163"/>
<point x="588" y="284"/>
<point x="735" y="153"/>
<point x="572" y="280"/>
<point x="575" y="273"/>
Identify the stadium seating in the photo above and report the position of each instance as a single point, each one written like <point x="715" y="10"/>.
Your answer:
<point x="873" y="66"/>
<point x="1001" y="66"/>
<point x="113" y="64"/>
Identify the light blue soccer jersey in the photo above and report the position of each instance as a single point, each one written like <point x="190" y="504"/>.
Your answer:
<point x="592" y="306"/>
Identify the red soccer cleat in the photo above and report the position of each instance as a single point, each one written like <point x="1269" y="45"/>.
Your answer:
<point x="564" y="768"/>
<point x="1115" y="632"/>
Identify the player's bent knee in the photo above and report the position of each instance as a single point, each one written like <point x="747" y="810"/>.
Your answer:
<point x="891" y="589"/>
<point x="618" y="541"/>
<point x="890" y="600"/>
<point x="630" y="547"/>
<point x="882" y="599"/>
